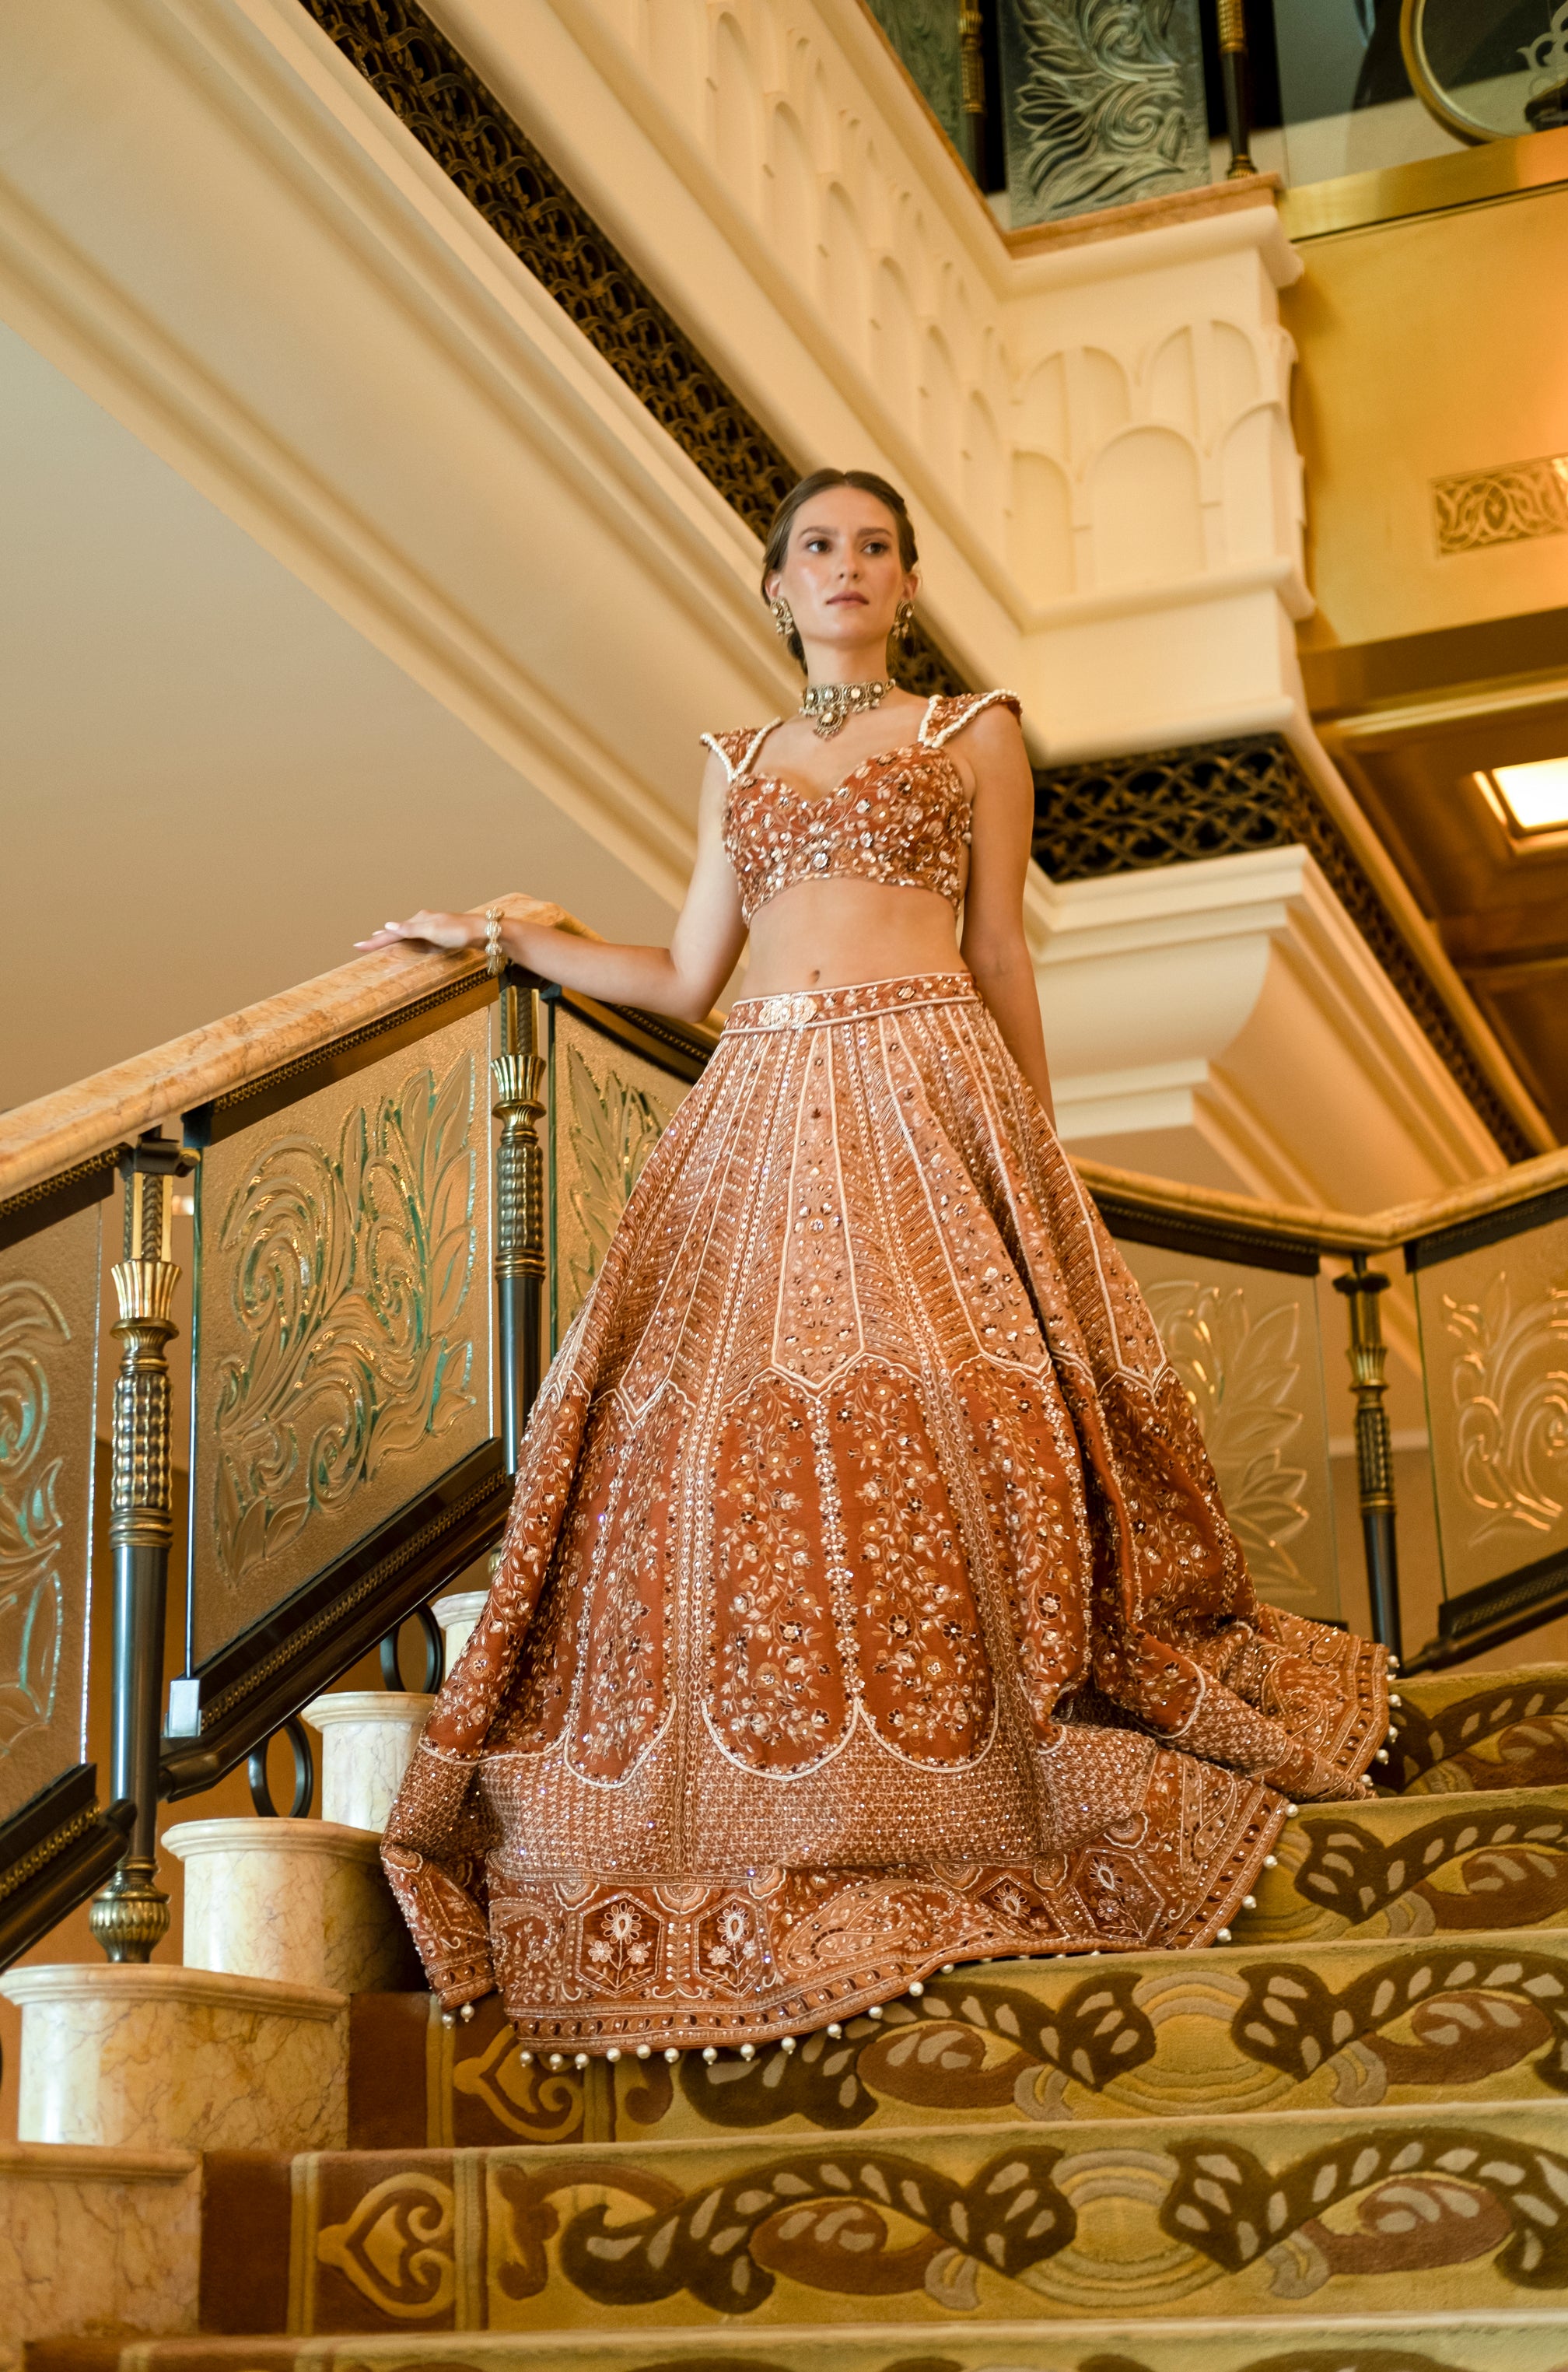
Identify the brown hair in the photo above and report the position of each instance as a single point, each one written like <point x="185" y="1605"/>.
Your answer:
<point x="867" y="483"/>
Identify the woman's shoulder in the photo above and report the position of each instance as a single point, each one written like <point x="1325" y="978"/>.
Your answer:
<point x="950" y="712"/>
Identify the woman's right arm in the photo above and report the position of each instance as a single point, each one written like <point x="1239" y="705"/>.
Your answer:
<point x="681" y="980"/>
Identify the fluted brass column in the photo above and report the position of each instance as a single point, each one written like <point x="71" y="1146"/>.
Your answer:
<point x="517" y="1074"/>
<point x="132" y="1913"/>
<point x="971" y="87"/>
<point x="1374" y="1449"/>
<point x="1237" y="79"/>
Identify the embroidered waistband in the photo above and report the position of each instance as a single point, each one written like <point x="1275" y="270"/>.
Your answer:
<point x="808" y="1008"/>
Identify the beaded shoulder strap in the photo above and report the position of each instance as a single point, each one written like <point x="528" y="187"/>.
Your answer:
<point x="736" y="750"/>
<point x="949" y="714"/>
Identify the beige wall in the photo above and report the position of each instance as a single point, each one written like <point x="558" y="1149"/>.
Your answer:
<point x="213" y="782"/>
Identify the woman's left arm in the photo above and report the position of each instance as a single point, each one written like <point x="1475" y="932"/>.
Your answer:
<point x="993" y="944"/>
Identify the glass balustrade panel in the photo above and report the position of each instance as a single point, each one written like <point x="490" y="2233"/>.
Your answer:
<point x="1246" y="1345"/>
<point x="342" y="1321"/>
<point x="49" y="1351"/>
<point x="609" y="1106"/>
<point x="1495" y="1343"/>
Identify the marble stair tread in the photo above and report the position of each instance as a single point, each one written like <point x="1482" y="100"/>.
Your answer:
<point x="1509" y="2342"/>
<point x="1458" y="1732"/>
<point x="1244" y="2029"/>
<point x="96" y="2238"/>
<point x="1329" y="2211"/>
<point x="1415" y="1866"/>
<point x="161" y="2056"/>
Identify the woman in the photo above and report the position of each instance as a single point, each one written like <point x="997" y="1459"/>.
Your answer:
<point x="866" y="1603"/>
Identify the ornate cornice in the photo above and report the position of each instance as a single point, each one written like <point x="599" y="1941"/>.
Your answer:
<point x="1170" y="807"/>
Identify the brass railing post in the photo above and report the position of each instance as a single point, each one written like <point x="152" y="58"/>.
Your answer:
<point x="971" y="86"/>
<point x="517" y="1073"/>
<point x="131" y="1915"/>
<point x="1237" y="79"/>
<point x="1374" y="1449"/>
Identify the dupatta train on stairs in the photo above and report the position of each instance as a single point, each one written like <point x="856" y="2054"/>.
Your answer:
<point x="867" y="1602"/>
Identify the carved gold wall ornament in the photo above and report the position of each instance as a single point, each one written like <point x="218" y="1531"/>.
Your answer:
<point x="1515" y="502"/>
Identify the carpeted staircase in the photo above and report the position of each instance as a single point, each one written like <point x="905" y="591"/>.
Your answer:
<point x="1338" y="2144"/>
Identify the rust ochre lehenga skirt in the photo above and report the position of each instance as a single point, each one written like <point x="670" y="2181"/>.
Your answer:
<point x="868" y="1601"/>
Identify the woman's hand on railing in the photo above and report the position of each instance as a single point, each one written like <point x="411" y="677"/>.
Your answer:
<point x="431" y="930"/>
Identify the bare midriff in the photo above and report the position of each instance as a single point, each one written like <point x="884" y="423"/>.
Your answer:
<point x="835" y="933"/>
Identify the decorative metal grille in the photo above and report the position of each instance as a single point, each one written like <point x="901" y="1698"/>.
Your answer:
<point x="1168" y="807"/>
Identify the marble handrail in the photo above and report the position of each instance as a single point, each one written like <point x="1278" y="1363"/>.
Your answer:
<point x="42" y="1139"/>
<point x="1378" y="1231"/>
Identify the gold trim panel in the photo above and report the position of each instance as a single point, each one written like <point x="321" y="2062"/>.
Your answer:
<point x="1503" y="168"/>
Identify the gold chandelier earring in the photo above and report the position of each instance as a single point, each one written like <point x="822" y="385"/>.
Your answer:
<point x="903" y="623"/>
<point x="782" y="617"/>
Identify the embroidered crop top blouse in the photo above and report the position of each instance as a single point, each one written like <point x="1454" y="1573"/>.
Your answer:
<point x="902" y="817"/>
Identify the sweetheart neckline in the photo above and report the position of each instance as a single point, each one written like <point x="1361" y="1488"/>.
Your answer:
<point x="820" y="798"/>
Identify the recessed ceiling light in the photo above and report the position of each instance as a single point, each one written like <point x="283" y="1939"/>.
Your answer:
<point x="1535" y="795"/>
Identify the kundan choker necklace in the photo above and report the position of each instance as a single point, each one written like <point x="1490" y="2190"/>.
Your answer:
<point x="830" y="706"/>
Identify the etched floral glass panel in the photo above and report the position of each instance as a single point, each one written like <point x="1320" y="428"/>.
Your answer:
<point x="1494" y="1345"/>
<point x="608" y="1110"/>
<point x="925" y="35"/>
<point x="342" y="1319"/>
<point x="1103" y="103"/>
<point x="49" y="1305"/>
<point x="1247" y="1345"/>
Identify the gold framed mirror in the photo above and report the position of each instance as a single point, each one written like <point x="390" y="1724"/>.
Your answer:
<point x="1487" y="69"/>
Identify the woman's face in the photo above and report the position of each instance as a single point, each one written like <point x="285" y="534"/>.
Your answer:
<point x="841" y="574"/>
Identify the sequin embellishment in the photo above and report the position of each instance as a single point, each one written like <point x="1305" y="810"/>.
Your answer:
<point x="900" y="818"/>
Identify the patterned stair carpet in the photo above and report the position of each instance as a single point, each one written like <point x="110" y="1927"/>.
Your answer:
<point x="1506" y="2342"/>
<point x="1456" y="1732"/>
<point x="1254" y="2217"/>
<point x="1349" y="2025"/>
<point x="1028" y="2167"/>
